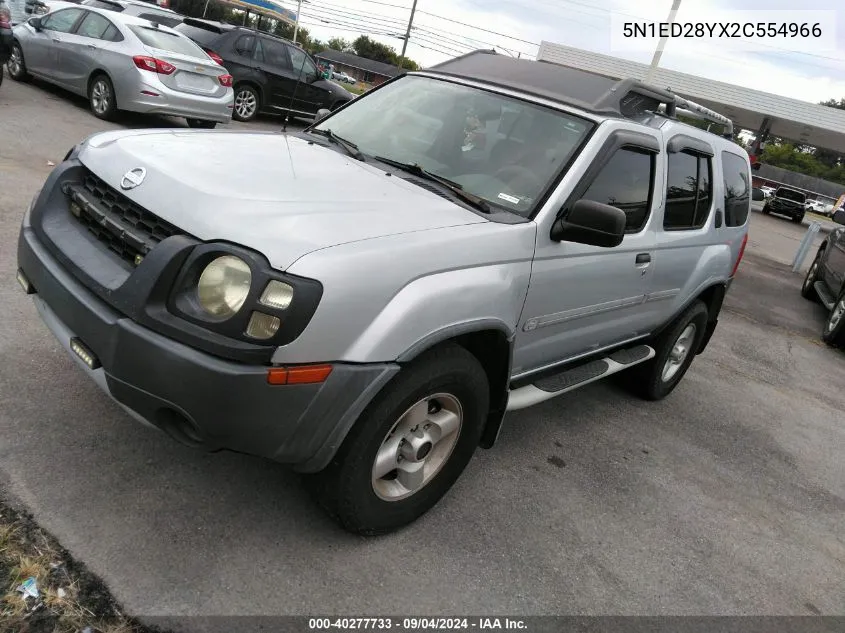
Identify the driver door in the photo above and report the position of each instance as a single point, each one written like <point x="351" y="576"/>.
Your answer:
<point x="45" y="55"/>
<point x="585" y="298"/>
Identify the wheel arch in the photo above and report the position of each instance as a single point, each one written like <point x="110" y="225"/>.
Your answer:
<point x="254" y="85"/>
<point x="712" y="296"/>
<point x="491" y="342"/>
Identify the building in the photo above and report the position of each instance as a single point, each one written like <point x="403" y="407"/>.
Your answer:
<point x="366" y="70"/>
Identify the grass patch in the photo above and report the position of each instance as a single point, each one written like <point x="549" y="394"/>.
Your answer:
<point x="70" y="598"/>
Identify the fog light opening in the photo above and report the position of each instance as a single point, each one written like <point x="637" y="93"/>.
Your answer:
<point x="84" y="354"/>
<point x="263" y="326"/>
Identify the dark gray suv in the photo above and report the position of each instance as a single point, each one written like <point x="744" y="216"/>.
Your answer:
<point x="271" y="74"/>
<point x="787" y="201"/>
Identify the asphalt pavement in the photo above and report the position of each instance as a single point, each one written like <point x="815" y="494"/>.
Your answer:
<point x="726" y="498"/>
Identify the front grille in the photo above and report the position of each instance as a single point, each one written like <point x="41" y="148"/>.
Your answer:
<point x="122" y="226"/>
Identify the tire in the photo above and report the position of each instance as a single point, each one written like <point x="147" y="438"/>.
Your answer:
<point x="834" y="328"/>
<point x="798" y="218"/>
<point x="201" y="124"/>
<point x="653" y="380"/>
<point x="16" y="64"/>
<point x="363" y="502"/>
<point x="101" y="97"/>
<point x="247" y="103"/>
<point x="766" y="209"/>
<point x="808" y="290"/>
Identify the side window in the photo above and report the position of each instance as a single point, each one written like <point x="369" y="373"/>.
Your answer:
<point x="61" y="21"/>
<point x="258" y="55"/>
<point x="626" y="182"/>
<point x="737" y="188"/>
<point x="299" y="60"/>
<point x="94" y="26"/>
<point x="275" y="54"/>
<point x="245" y="45"/>
<point x="112" y="34"/>
<point x="689" y="191"/>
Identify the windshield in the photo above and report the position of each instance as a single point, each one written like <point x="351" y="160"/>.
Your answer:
<point x="167" y="41"/>
<point x="503" y="150"/>
<point x="791" y="194"/>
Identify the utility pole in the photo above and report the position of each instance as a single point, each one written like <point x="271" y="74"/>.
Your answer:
<point x="662" y="44"/>
<point x="408" y="33"/>
<point x="296" y="24"/>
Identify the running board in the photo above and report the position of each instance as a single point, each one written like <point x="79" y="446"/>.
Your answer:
<point x="824" y="296"/>
<point x="570" y="379"/>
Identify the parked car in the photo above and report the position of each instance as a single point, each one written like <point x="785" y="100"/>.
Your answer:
<point x="139" y="8"/>
<point x="121" y="62"/>
<point x="270" y="74"/>
<point x="788" y="202"/>
<point x="376" y="332"/>
<point x="43" y="7"/>
<point x="5" y="35"/>
<point x="342" y="76"/>
<point x="825" y="282"/>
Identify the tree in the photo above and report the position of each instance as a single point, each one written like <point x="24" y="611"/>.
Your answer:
<point x="365" y="47"/>
<point x="338" y="44"/>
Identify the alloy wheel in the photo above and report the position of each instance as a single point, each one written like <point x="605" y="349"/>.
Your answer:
<point x="679" y="353"/>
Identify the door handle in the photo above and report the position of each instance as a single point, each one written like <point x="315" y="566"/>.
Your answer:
<point x="92" y="47"/>
<point x="643" y="258"/>
<point x="57" y="41"/>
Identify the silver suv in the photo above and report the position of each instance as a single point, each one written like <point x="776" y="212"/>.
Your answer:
<point x="514" y="230"/>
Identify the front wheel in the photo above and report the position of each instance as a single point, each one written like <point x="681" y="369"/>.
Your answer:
<point x="16" y="64"/>
<point x="766" y="209"/>
<point x="201" y="124"/>
<point x="246" y="105"/>
<point x="798" y="219"/>
<point x="834" y="329"/>
<point x="675" y="350"/>
<point x="808" y="289"/>
<point x="101" y="98"/>
<point x="409" y="446"/>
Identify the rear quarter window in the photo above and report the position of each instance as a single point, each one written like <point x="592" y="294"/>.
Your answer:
<point x="737" y="189"/>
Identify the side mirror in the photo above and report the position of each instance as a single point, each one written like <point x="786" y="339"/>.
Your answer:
<point x="322" y="113"/>
<point x="757" y="194"/>
<point x="36" y="23"/>
<point x="839" y="217"/>
<point x="592" y="223"/>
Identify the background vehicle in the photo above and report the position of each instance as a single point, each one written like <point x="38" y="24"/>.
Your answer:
<point x="122" y="62"/>
<point x="270" y="74"/>
<point x="788" y="202"/>
<point x="148" y="11"/>
<point x="825" y="282"/>
<point x="581" y="240"/>
<point x="5" y="35"/>
<point x="343" y="77"/>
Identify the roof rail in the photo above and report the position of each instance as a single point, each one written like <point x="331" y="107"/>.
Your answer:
<point x="679" y="105"/>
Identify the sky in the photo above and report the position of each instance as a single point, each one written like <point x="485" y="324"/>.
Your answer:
<point x="445" y="28"/>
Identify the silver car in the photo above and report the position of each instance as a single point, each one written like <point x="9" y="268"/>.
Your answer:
<point x="123" y="62"/>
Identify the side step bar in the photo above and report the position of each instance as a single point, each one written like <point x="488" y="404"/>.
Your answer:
<point x="824" y="296"/>
<point x="570" y="379"/>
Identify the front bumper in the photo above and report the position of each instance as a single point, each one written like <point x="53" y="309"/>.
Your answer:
<point x="171" y="102"/>
<point x="196" y="398"/>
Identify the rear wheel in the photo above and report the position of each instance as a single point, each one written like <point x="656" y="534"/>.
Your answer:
<point x="409" y="446"/>
<point x="247" y="103"/>
<point x="16" y="64"/>
<point x="675" y="350"/>
<point x="798" y="218"/>
<point x="808" y="290"/>
<point x="201" y="124"/>
<point x="834" y="329"/>
<point x="101" y="98"/>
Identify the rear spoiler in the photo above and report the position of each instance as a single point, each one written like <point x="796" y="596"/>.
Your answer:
<point x="203" y="24"/>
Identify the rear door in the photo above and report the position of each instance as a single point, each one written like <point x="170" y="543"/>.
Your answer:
<point x="280" y="78"/>
<point x="82" y="50"/>
<point x="834" y="273"/>
<point x="194" y="72"/>
<point x="687" y="227"/>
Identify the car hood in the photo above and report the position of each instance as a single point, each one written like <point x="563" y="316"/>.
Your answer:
<point x="278" y="194"/>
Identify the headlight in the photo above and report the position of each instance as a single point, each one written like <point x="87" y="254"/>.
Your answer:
<point x="224" y="285"/>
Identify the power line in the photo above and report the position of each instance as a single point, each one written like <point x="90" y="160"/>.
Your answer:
<point x="510" y="37"/>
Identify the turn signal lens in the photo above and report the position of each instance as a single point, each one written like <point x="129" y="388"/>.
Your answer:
<point x="262" y="326"/>
<point x="277" y="295"/>
<point x="305" y="375"/>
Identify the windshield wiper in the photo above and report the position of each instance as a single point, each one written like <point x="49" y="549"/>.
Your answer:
<point x="349" y="146"/>
<point x="418" y="170"/>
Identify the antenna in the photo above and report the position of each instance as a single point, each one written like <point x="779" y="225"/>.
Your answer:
<point x="295" y="87"/>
